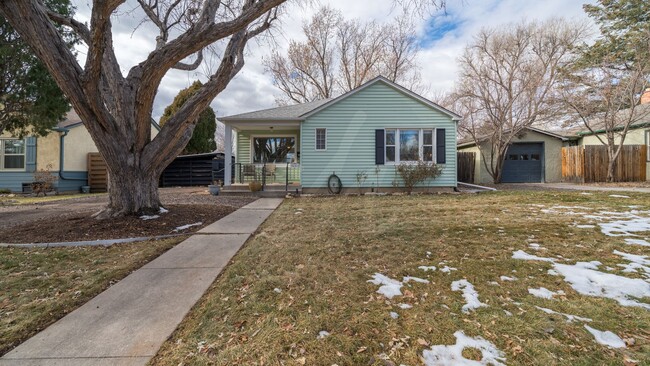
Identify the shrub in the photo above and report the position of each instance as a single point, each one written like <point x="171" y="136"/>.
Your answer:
<point x="361" y="178"/>
<point x="44" y="181"/>
<point x="412" y="174"/>
<point x="5" y="191"/>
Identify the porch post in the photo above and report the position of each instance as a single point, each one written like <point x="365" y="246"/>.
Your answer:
<point x="227" y="173"/>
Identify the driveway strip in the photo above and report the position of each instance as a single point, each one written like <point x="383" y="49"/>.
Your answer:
<point x="128" y="323"/>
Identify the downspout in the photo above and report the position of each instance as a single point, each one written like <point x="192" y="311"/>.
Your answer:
<point x="64" y="132"/>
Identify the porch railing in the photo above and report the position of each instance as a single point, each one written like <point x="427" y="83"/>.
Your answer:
<point x="268" y="173"/>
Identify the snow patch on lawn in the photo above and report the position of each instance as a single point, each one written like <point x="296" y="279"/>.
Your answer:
<point x="544" y="293"/>
<point x="185" y="227"/>
<point x="323" y="334"/>
<point x="637" y="262"/>
<point x="448" y="269"/>
<point x="641" y="242"/>
<point x="625" y="227"/>
<point x="606" y="338"/>
<point x="506" y="278"/>
<point x="427" y="268"/>
<point x="388" y="286"/>
<point x="570" y="318"/>
<point x="394" y="315"/>
<point x="469" y="294"/>
<point x="415" y="279"/>
<point x="163" y="210"/>
<point x="453" y="355"/>
<point x="520" y="254"/>
<point x="405" y="306"/>
<point x="618" y="196"/>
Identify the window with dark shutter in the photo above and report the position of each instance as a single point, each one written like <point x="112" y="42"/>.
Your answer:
<point x="441" y="150"/>
<point x="379" y="147"/>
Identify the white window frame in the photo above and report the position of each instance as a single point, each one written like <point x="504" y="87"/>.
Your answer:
<point x="2" y="156"/>
<point x="316" y="139"/>
<point x="420" y="145"/>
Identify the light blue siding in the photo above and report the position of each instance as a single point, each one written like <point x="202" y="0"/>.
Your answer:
<point x="74" y="182"/>
<point x="14" y="180"/>
<point x="351" y="125"/>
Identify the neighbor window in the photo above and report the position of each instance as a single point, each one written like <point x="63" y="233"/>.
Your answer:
<point x="409" y="145"/>
<point x="321" y="139"/>
<point x="273" y="149"/>
<point x="12" y="154"/>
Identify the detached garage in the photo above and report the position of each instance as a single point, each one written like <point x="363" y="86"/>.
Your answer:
<point x="534" y="157"/>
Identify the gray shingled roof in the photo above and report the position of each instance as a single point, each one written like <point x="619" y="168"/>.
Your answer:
<point x="289" y="112"/>
<point x="71" y="118"/>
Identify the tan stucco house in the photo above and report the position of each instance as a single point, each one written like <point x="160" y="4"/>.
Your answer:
<point x="64" y="151"/>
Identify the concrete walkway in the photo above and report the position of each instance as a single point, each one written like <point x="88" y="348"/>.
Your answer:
<point x="127" y="323"/>
<point x="583" y="187"/>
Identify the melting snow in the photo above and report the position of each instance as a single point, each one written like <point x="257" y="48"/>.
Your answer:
<point x="520" y="254"/>
<point x="637" y="262"/>
<point x="641" y="242"/>
<point x="149" y="217"/>
<point x="585" y="226"/>
<point x="570" y="318"/>
<point x="277" y="290"/>
<point x="388" y="286"/>
<point x="405" y="306"/>
<point x="415" y="279"/>
<point x="394" y="315"/>
<point x="453" y="355"/>
<point x="322" y="334"/>
<point x="163" y="210"/>
<point x="544" y="293"/>
<point x="447" y="269"/>
<point x="618" y="196"/>
<point x="625" y="227"/>
<point x="606" y="338"/>
<point x="469" y="293"/>
<point x="184" y="227"/>
<point x="552" y="272"/>
<point x="427" y="268"/>
<point x="506" y="278"/>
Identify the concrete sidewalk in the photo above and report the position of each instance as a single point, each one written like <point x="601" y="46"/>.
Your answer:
<point x="127" y="323"/>
<point x="583" y="187"/>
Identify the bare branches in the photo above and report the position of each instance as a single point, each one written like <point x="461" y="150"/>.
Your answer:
<point x="508" y="78"/>
<point x="339" y="55"/>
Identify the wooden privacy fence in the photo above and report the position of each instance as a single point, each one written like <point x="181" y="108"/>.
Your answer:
<point x="588" y="164"/>
<point x="97" y="173"/>
<point x="466" y="163"/>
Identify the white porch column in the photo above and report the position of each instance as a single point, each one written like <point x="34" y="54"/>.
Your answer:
<point x="227" y="174"/>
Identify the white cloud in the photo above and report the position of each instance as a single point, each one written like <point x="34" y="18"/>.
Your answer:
<point x="253" y="88"/>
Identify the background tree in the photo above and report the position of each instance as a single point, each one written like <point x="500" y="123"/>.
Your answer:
<point x="508" y="80"/>
<point x="30" y="100"/>
<point x="341" y="54"/>
<point x="116" y="108"/>
<point x="203" y="136"/>
<point x="603" y="87"/>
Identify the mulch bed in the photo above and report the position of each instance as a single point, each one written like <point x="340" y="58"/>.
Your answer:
<point x="80" y="227"/>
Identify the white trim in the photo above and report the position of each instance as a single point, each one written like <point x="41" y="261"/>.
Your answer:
<point x="2" y="155"/>
<point x="227" y="164"/>
<point x="399" y="88"/>
<point x="420" y="145"/>
<point x="252" y="146"/>
<point x="316" y="139"/>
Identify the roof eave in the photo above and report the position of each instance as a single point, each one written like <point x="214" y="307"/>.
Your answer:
<point x="233" y="119"/>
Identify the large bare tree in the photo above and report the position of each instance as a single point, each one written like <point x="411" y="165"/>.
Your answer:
<point x="606" y="101"/>
<point x="116" y="108"/>
<point x="341" y="54"/>
<point x="508" y="82"/>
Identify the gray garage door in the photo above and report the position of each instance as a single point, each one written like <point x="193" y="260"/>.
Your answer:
<point x="523" y="163"/>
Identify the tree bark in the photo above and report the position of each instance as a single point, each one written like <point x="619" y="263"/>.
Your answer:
<point x="132" y="191"/>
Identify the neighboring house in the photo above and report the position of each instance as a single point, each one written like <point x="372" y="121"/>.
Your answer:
<point x="536" y="155"/>
<point x="370" y="129"/>
<point x="64" y="151"/>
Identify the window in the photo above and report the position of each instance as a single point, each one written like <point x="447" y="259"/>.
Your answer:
<point x="513" y="157"/>
<point x="321" y="139"/>
<point x="12" y="154"/>
<point x="534" y="157"/>
<point x="409" y="145"/>
<point x="280" y="149"/>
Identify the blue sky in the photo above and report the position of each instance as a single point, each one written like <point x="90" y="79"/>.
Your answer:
<point x="442" y="39"/>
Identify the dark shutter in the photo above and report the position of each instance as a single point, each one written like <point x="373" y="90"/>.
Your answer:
<point x="441" y="150"/>
<point x="30" y="155"/>
<point x="379" y="147"/>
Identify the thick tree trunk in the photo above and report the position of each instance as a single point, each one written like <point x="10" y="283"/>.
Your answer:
<point x="131" y="192"/>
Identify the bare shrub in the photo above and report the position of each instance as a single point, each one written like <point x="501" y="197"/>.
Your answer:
<point x="413" y="174"/>
<point x="44" y="180"/>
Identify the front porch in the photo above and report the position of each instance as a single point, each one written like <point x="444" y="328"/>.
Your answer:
<point x="265" y="152"/>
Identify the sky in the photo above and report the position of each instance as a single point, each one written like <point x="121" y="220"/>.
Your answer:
<point x="442" y="38"/>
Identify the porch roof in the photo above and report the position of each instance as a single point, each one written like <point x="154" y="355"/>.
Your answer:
<point x="284" y="113"/>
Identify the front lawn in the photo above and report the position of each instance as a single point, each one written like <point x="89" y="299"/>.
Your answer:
<point x="40" y="286"/>
<point x="298" y="292"/>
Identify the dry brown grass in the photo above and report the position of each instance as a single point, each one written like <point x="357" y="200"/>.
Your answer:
<point x="40" y="286"/>
<point x="322" y="258"/>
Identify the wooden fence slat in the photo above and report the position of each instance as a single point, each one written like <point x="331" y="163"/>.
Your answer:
<point x="588" y="164"/>
<point x="466" y="164"/>
<point x="97" y="173"/>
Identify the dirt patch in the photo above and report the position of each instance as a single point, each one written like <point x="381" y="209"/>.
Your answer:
<point x="80" y="226"/>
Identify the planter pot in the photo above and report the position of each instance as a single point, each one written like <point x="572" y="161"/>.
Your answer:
<point x="85" y="189"/>
<point x="214" y="189"/>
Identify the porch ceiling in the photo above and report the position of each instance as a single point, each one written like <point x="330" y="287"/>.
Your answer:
<point x="264" y="125"/>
